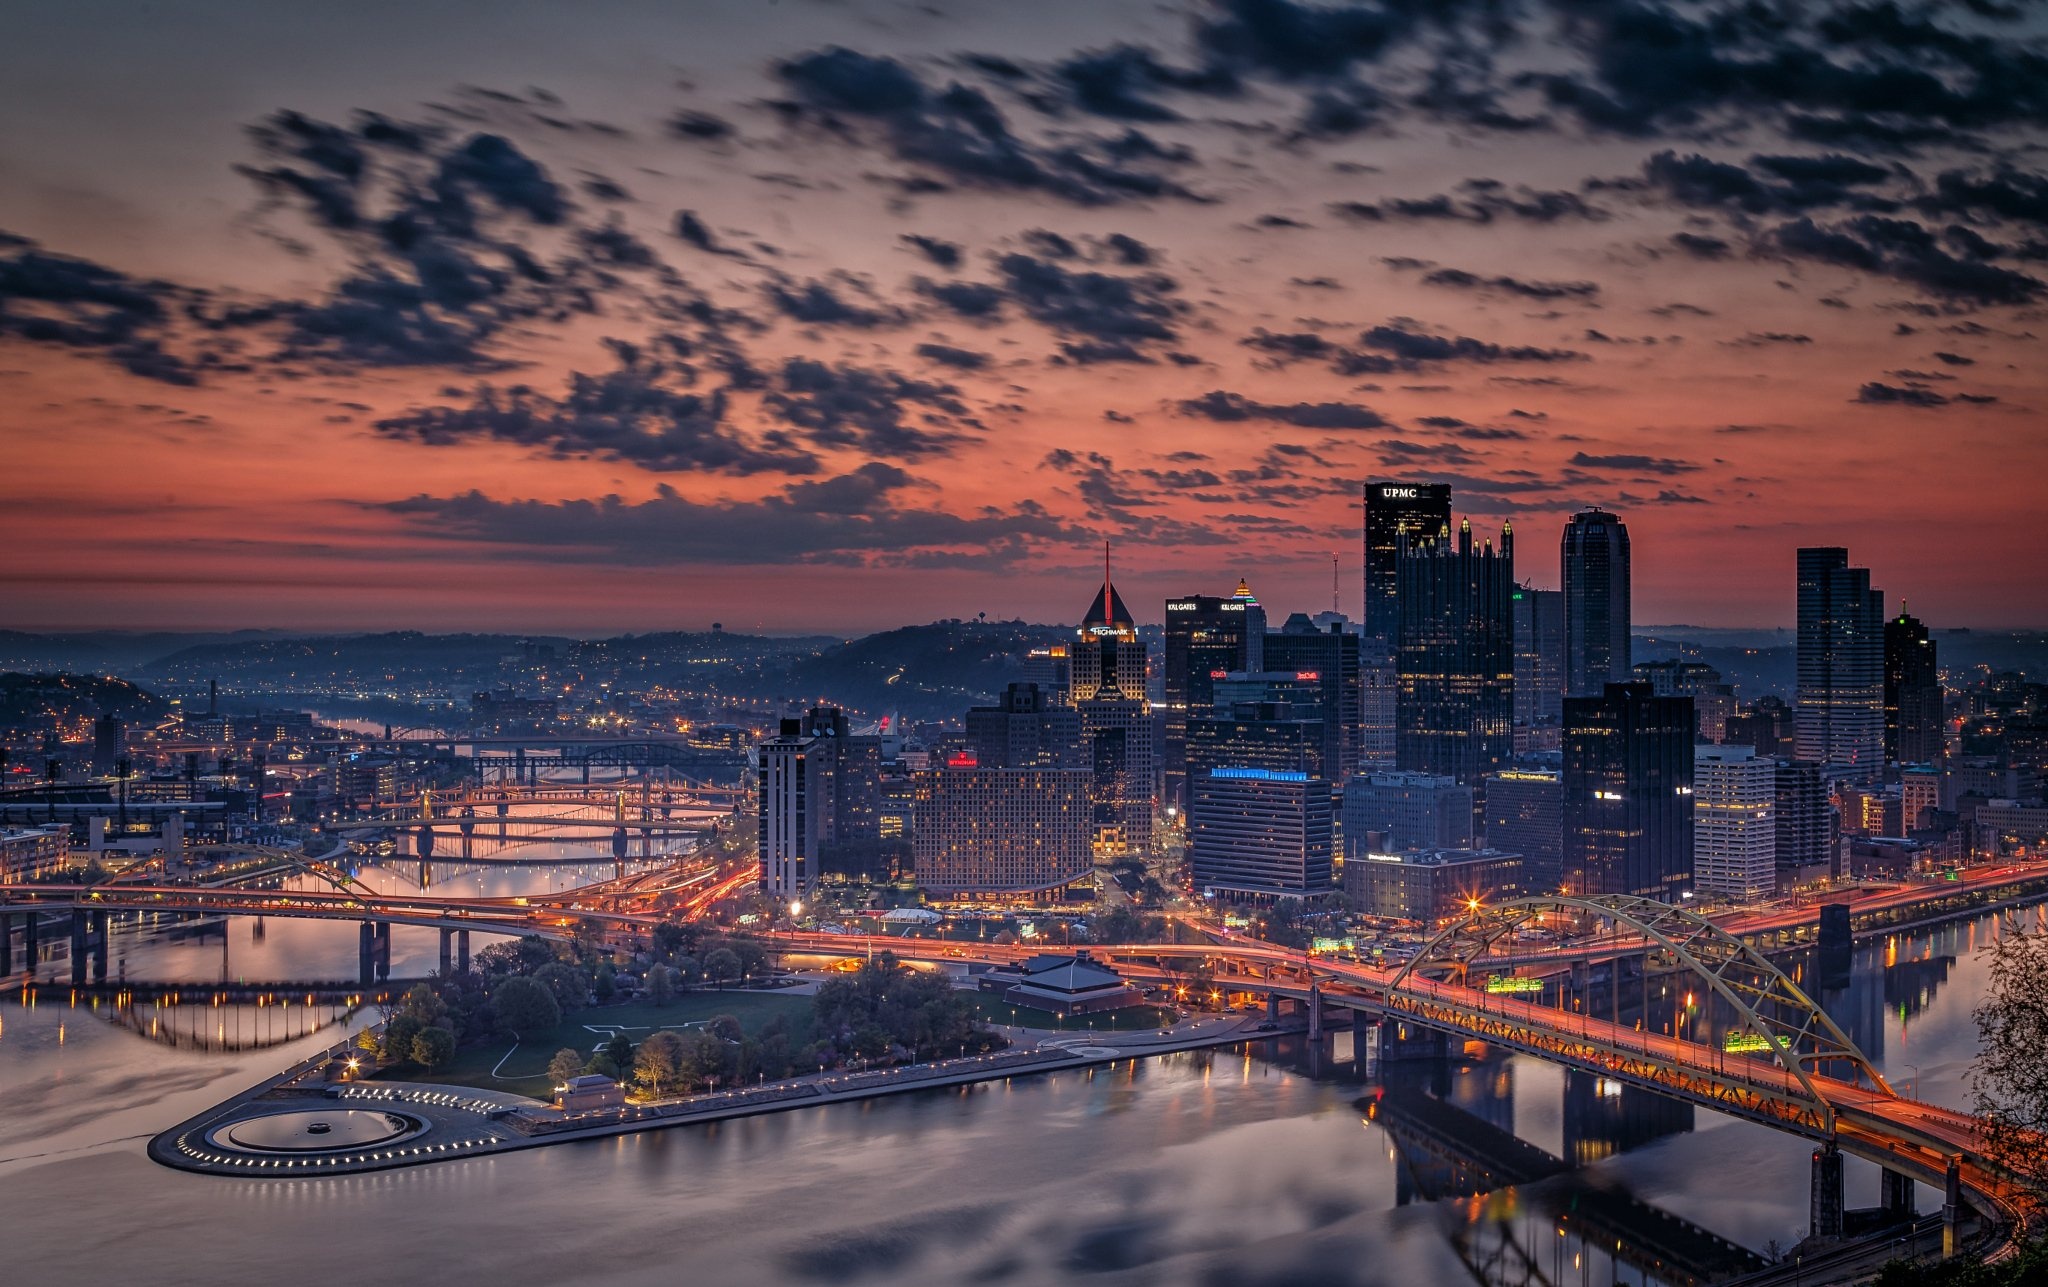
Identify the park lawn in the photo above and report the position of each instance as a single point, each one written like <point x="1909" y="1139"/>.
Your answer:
<point x="521" y="1067"/>
<point x="1137" y="1018"/>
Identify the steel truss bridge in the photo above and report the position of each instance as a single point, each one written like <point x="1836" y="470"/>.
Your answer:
<point x="1797" y="1072"/>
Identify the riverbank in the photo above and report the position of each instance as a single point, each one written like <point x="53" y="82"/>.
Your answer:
<point x="461" y="1121"/>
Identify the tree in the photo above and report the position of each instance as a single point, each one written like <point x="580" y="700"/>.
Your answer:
<point x="658" y="1065"/>
<point x="602" y="1065"/>
<point x="604" y="984"/>
<point x="721" y="965"/>
<point x="399" y="1030"/>
<point x="569" y="985"/>
<point x="661" y="986"/>
<point x="432" y="1047"/>
<point x="724" y="1027"/>
<point x="566" y="1064"/>
<point x="619" y="1050"/>
<point x="2010" y="1081"/>
<point x="525" y="1007"/>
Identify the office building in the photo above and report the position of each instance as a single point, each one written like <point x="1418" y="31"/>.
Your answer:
<point x="1379" y="691"/>
<point x="1713" y="702"/>
<point x="1410" y="810"/>
<point x="1596" y="603"/>
<point x="1767" y="724"/>
<point x="109" y="745"/>
<point x="818" y="803"/>
<point x="1539" y="656"/>
<point x="1525" y="815"/>
<point x="1430" y="887"/>
<point x="1259" y="834"/>
<point x="1734" y="822"/>
<point x="1912" y="693"/>
<point x="1331" y="660"/>
<point x="993" y="832"/>
<point x="1052" y="669"/>
<point x="1256" y="734"/>
<point x="1394" y="513"/>
<point x="1919" y="796"/>
<point x="1026" y="729"/>
<point x="1207" y="637"/>
<point x="1805" y="824"/>
<point x="1110" y="672"/>
<point x="1628" y="783"/>
<point x="1455" y="707"/>
<point x="1841" y="666"/>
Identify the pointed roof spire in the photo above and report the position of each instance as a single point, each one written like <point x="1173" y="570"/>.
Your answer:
<point x="1107" y="615"/>
<point x="1243" y="593"/>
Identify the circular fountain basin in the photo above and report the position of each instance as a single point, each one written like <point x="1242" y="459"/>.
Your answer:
<point x="320" y="1130"/>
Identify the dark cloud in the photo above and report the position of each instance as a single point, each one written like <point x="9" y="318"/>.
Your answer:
<point x="700" y="126"/>
<point x="1476" y="201"/>
<point x="1701" y="247"/>
<point x="853" y="519"/>
<point x="632" y="414"/>
<point x="844" y="303"/>
<point x="1459" y="279"/>
<point x="1109" y="316"/>
<point x="1124" y="83"/>
<point x="1766" y="339"/>
<point x="1955" y="359"/>
<point x="689" y="228"/>
<point x="1228" y="407"/>
<point x="1634" y="464"/>
<point x="1302" y="42"/>
<point x="1912" y="395"/>
<point x="78" y="304"/>
<point x="977" y="300"/>
<point x="1408" y="345"/>
<point x="849" y="406"/>
<point x="947" y="355"/>
<point x="1797" y="183"/>
<point x="946" y="254"/>
<point x="1906" y="251"/>
<point x="958" y="136"/>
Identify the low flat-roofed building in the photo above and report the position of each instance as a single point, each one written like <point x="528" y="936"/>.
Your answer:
<point x="589" y="1092"/>
<point x="31" y="851"/>
<point x="1065" y="985"/>
<point x="1430" y="886"/>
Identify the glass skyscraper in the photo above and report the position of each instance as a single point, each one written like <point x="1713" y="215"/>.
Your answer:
<point x="1628" y="781"/>
<point x="1596" y="603"/>
<point x="1417" y="511"/>
<point x="1841" y="666"/>
<point x="1454" y="710"/>
<point x="1912" y="693"/>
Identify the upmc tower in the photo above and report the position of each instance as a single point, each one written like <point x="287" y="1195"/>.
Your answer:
<point x="1419" y="511"/>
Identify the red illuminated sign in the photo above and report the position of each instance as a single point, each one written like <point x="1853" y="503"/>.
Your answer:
<point x="1219" y="674"/>
<point x="1308" y="676"/>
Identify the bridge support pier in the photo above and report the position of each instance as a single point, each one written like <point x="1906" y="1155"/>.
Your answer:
<point x="1406" y="1042"/>
<point x="88" y="939"/>
<point x="462" y="951"/>
<point x="1827" y="1192"/>
<point x="383" y="951"/>
<point x="1315" y="1012"/>
<point x="7" y="944"/>
<point x="366" y="953"/>
<point x="1951" y="1208"/>
<point x="30" y="949"/>
<point x="1895" y="1194"/>
<point x="1273" y="1006"/>
<point x="447" y="950"/>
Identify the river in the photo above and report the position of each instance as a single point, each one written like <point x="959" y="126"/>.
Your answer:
<point x="1237" y="1166"/>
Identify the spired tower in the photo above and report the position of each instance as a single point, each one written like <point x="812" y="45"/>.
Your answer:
<point x="1110" y="669"/>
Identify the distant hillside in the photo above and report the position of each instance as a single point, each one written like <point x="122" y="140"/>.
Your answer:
<point x="106" y="651"/>
<point x="932" y="671"/>
<point x="26" y="698"/>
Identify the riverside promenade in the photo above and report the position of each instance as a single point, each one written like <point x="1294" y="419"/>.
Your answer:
<point x="436" y="1123"/>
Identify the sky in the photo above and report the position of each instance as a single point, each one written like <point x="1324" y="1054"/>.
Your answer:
<point x="838" y="315"/>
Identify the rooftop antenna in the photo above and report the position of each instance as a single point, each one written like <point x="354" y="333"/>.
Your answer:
<point x="1333" y="582"/>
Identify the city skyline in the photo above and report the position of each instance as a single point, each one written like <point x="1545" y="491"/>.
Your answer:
<point x="643" y="319"/>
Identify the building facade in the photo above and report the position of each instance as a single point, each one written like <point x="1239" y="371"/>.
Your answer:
<point x="1206" y="638"/>
<point x="1596" y="603"/>
<point x="1805" y="823"/>
<point x="1396" y="512"/>
<point x="1110" y="672"/>
<point x="1260" y="833"/>
<point x="1430" y="887"/>
<point x="1001" y="831"/>
<point x="1408" y="810"/>
<point x="1454" y="710"/>
<point x="1525" y="815"/>
<point x="1539" y="656"/>
<point x="1734" y="822"/>
<point x="1329" y="661"/>
<point x="1841" y="666"/>
<point x="1912" y="693"/>
<point x="1628" y="785"/>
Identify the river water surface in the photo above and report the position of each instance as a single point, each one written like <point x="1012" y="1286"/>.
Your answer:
<point x="1240" y="1167"/>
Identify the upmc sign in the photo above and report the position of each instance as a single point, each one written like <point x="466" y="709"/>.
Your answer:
<point x="1400" y="493"/>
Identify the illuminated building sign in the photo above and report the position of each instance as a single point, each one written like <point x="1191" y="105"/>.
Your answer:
<point x="963" y="760"/>
<point x="1259" y="775"/>
<point x="1219" y="674"/>
<point x="1400" y="493"/>
<point x="1308" y="676"/>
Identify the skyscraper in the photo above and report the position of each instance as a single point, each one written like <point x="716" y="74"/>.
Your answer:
<point x="1912" y="693"/>
<point x="1109" y="675"/>
<point x="1025" y="729"/>
<point x="1017" y="831"/>
<point x="1412" y="810"/>
<point x="1525" y="815"/>
<point x="1393" y="511"/>
<point x="1628" y="784"/>
<point x="1734" y="822"/>
<point x="1805" y="823"/>
<point x="1841" y="666"/>
<point x="1596" y="602"/>
<point x="1330" y="661"/>
<point x="1539" y="656"/>
<point x="819" y="803"/>
<point x="1454" y="711"/>
<point x="1260" y="832"/>
<point x="1206" y="637"/>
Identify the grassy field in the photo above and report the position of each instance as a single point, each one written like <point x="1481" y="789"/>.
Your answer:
<point x="521" y="1067"/>
<point x="993" y="1009"/>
